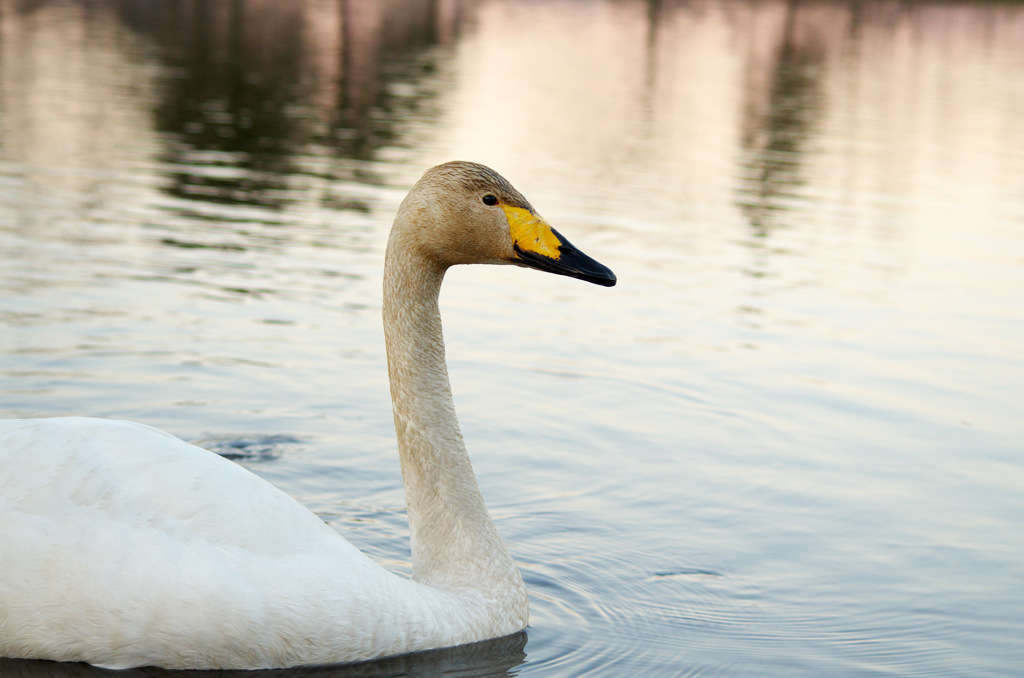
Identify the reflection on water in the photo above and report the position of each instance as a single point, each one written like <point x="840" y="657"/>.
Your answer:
<point x="787" y="443"/>
<point x="777" y="127"/>
<point x="491" y="658"/>
<point x="256" y="88"/>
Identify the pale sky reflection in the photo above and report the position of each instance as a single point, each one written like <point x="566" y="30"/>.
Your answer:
<point x="841" y="164"/>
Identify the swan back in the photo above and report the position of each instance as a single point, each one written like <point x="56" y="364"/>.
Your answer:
<point x="80" y="474"/>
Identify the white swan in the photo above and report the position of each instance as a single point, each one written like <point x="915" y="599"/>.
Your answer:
<point x="123" y="546"/>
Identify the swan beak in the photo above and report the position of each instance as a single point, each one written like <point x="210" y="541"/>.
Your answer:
<point x="539" y="246"/>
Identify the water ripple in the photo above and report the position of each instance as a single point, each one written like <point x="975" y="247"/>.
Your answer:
<point x="249" y="448"/>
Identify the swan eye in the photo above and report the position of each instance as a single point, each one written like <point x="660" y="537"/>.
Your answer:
<point x="490" y="200"/>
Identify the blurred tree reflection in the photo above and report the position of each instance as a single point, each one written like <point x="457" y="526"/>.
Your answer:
<point x="255" y="87"/>
<point x="777" y="124"/>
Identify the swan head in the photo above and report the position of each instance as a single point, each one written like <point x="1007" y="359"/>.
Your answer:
<point x="466" y="213"/>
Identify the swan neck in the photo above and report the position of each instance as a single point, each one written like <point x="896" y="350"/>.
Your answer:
<point x="454" y="543"/>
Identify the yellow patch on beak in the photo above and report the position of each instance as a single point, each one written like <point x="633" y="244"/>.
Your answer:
<point x="530" y="233"/>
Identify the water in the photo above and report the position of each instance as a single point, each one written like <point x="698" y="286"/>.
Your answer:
<point x="790" y="442"/>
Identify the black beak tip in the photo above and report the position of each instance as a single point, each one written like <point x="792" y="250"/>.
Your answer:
<point x="603" y="277"/>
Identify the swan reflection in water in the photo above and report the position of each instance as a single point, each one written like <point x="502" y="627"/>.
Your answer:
<point x="493" y="658"/>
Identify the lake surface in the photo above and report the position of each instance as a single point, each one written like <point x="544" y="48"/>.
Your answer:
<point x="789" y="442"/>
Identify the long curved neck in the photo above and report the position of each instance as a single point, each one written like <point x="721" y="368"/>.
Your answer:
<point x="455" y="545"/>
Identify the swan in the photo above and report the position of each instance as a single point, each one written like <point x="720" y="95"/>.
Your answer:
<point x="123" y="546"/>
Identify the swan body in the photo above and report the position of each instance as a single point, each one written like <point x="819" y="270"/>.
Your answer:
<point x="121" y="545"/>
<point x="124" y="546"/>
